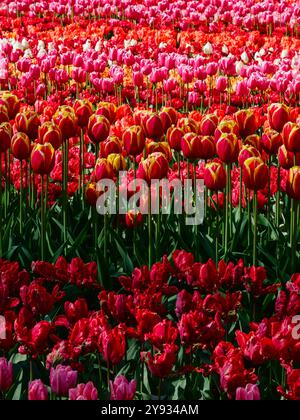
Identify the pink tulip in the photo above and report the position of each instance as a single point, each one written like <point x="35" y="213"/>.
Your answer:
<point x="122" y="389"/>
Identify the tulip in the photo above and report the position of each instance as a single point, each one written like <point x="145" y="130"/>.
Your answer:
<point x="121" y="389"/>
<point x="11" y="102"/>
<point x="228" y="148"/>
<point x="91" y="193"/>
<point x="62" y="379"/>
<point x="103" y="169"/>
<point x="109" y="146"/>
<point x="253" y="140"/>
<point x="291" y="137"/>
<point x="278" y="116"/>
<point x="255" y="173"/>
<point x="66" y="121"/>
<point x="226" y="127"/>
<point x="3" y="114"/>
<point x="271" y="141"/>
<point x="6" y="374"/>
<point x="209" y="124"/>
<point x="174" y="137"/>
<point x="133" y="219"/>
<point x="98" y="128"/>
<point x="113" y="345"/>
<point x="50" y="133"/>
<point x="287" y="159"/>
<point x="42" y="158"/>
<point x="5" y="137"/>
<point x="156" y="166"/>
<point x="37" y="391"/>
<point x="215" y="176"/>
<point x="20" y="146"/>
<point x="83" y="392"/>
<point x="293" y="183"/>
<point x="246" y="121"/>
<point x="152" y="126"/>
<point x="134" y="140"/>
<point x="162" y="147"/>
<point x="168" y="117"/>
<point x="188" y="125"/>
<point x="249" y="393"/>
<point x="117" y="162"/>
<point x="108" y="110"/>
<point x="247" y="152"/>
<point x="221" y="84"/>
<point x="28" y="122"/>
<point x="83" y="110"/>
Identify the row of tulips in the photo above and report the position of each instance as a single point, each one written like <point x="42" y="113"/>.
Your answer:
<point x="178" y="329"/>
<point x="248" y="160"/>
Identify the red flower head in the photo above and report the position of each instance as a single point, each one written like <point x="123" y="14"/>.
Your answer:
<point x="253" y="140"/>
<point x="3" y="114"/>
<point x="134" y="140"/>
<point x="83" y="110"/>
<point x="20" y="146"/>
<point x="152" y="126"/>
<point x="271" y="141"/>
<point x="163" y="332"/>
<point x="42" y="158"/>
<point x="50" y="133"/>
<point x="156" y="166"/>
<point x="228" y="148"/>
<point x="209" y="124"/>
<point x="28" y="122"/>
<point x="91" y="193"/>
<point x="291" y="137"/>
<point x="11" y="102"/>
<point x="169" y="117"/>
<point x="174" y="137"/>
<point x="247" y="152"/>
<point x="286" y="159"/>
<point x="293" y="183"/>
<point x="112" y="345"/>
<point x="161" y="364"/>
<point x="188" y="125"/>
<point x="215" y="176"/>
<point x="5" y="137"/>
<point x="226" y="126"/>
<point x="255" y="173"/>
<point x="108" y="110"/>
<point x="117" y="162"/>
<point x="278" y="116"/>
<point x="159" y="147"/>
<point x="109" y="146"/>
<point x="66" y="121"/>
<point x="98" y="128"/>
<point x="103" y="170"/>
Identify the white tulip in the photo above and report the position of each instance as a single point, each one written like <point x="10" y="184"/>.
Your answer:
<point x="207" y="49"/>
<point x="244" y="57"/>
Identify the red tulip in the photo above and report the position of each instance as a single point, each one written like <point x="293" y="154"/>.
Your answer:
<point x="152" y="126"/>
<point x="133" y="219"/>
<point x="109" y="146"/>
<point x="5" y="137"/>
<point x="103" y="169"/>
<point x="66" y="121"/>
<point x="278" y="116"/>
<point x="174" y="137"/>
<point x="134" y="140"/>
<point x="247" y="122"/>
<point x="98" y="128"/>
<point x="226" y="127"/>
<point x="169" y="117"/>
<point x="28" y="122"/>
<point x="113" y="345"/>
<point x="11" y="102"/>
<point x="3" y="114"/>
<point x="91" y="193"/>
<point x="291" y="137"/>
<point x="156" y="166"/>
<point x="287" y="159"/>
<point x="20" y="146"/>
<point x="188" y="125"/>
<point x="293" y="183"/>
<point x="42" y="158"/>
<point x="255" y="173"/>
<point x="83" y="110"/>
<point x="161" y="146"/>
<point x="228" y="148"/>
<point x="215" y="176"/>
<point x="271" y="141"/>
<point x="247" y="152"/>
<point x="209" y="124"/>
<point x="108" y="110"/>
<point x="50" y="133"/>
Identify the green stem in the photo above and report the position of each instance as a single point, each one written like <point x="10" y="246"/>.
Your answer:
<point x="1" y="221"/>
<point x="21" y="197"/>
<point x="43" y="225"/>
<point x="217" y="229"/>
<point x="149" y="230"/>
<point x="241" y="194"/>
<point x="196" y="225"/>
<point x="278" y="198"/>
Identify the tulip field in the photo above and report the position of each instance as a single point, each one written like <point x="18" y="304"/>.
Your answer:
<point x="149" y="200"/>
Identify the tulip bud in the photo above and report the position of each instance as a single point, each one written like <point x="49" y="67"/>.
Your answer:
<point x="168" y="116"/>
<point x="152" y="126"/>
<point x="291" y="137"/>
<point x="215" y="176"/>
<point x="42" y="158"/>
<point x="62" y="378"/>
<point x="103" y="170"/>
<point x="37" y="391"/>
<point x="287" y="159"/>
<point x="117" y="162"/>
<point x="121" y="389"/>
<point x="156" y="166"/>
<point x="226" y="127"/>
<point x="255" y="173"/>
<point x="5" y="137"/>
<point x="108" y="110"/>
<point x="162" y="147"/>
<point x="191" y="146"/>
<point x="293" y="183"/>
<point x="271" y="141"/>
<point x="133" y="219"/>
<point x="209" y="124"/>
<point x="91" y="193"/>
<point x="28" y="122"/>
<point x="174" y="137"/>
<point x="188" y="125"/>
<point x="50" y="133"/>
<point x="3" y="114"/>
<point x="6" y="374"/>
<point x="246" y="121"/>
<point x="11" y="102"/>
<point x="278" y="116"/>
<point x="253" y="140"/>
<point x="109" y="146"/>
<point x="247" y="152"/>
<point x="98" y="128"/>
<point x="249" y="393"/>
<point x="228" y="148"/>
<point x="20" y="146"/>
<point x="83" y="110"/>
<point x="134" y="140"/>
<point x="66" y="121"/>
